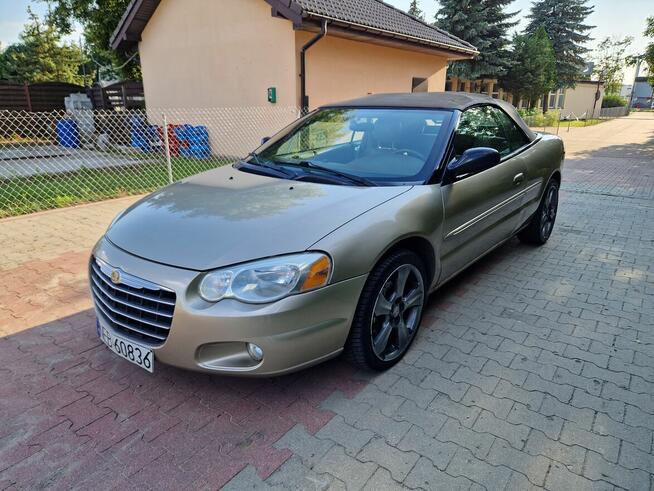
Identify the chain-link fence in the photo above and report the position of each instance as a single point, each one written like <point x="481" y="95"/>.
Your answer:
<point x="55" y="159"/>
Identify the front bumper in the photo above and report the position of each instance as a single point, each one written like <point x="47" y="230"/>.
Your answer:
<point x="294" y="333"/>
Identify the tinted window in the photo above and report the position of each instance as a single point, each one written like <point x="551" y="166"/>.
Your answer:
<point x="514" y="135"/>
<point x="480" y="127"/>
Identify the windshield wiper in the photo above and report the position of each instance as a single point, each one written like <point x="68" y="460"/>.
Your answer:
<point x="307" y="164"/>
<point x="256" y="160"/>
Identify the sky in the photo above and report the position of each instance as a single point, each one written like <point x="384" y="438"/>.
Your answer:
<point x="612" y="18"/>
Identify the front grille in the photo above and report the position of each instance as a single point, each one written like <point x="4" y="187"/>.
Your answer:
<point x="135" y="308"/>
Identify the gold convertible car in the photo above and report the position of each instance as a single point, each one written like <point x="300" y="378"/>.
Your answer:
<point x="326" y="239"/>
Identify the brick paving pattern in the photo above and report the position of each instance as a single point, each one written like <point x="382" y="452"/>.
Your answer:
<point x="533" y="369"/>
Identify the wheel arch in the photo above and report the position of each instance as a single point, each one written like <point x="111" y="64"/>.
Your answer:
<point x="556" y="175"/>
<point x="419" y="245"/>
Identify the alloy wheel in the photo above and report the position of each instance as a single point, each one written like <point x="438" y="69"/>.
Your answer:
<point x="397" y="312"/>
<point x="549" y="212"/>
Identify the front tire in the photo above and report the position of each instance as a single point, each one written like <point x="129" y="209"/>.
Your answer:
<point x="389" y="312"/>
<point x="540" y="226"/>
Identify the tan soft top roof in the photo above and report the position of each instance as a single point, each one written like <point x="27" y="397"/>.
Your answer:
<point x="459" y="101"/>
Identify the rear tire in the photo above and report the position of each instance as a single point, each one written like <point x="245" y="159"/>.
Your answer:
<point x="540" y="226"/>
<point x="389" y="312"/>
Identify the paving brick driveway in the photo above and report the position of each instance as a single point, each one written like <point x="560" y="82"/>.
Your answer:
<point x="535" y="368"/>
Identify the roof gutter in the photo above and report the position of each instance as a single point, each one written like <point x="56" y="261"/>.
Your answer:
<point x="304" y="98"/>
<point x="469" y="51"/>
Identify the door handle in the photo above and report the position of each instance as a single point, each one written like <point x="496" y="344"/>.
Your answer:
<point x="518" y="178"/>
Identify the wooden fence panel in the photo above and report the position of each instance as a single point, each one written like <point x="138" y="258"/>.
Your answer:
<point x="49" y="96"/>
<point x="13" y="97"/>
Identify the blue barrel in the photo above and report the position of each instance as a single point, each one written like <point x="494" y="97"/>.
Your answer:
<point x="198" y="135"/>
<point x="182" y="131"/>
<point x="143" y="135"/>
<point x="68" y="133"/>
<point x="194" y="141"/>
<point x="196" y="151"/>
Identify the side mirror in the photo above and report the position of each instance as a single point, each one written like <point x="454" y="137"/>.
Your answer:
<point x="265" y="140"/>
<point x="472" y="161"/>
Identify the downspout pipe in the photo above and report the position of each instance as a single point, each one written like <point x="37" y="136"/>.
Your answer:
<point x="304" y="98"/>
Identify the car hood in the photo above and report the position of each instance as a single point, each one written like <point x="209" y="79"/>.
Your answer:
<point x="226" y="216"/>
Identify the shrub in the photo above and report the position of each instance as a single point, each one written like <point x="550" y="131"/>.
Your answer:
<point x="535" y="117"/>
<point x="613" y="100"/>
<point x="526" y="112"/>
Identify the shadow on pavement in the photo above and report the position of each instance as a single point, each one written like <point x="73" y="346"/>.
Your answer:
<point x="72" y="413"/>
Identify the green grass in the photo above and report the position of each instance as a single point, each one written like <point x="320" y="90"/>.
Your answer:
<point x="21" y="195"/>
<point x="575" y="124"/>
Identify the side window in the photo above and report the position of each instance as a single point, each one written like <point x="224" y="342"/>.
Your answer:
<point x="480" y="127"/>
<point x="515" y="136"/>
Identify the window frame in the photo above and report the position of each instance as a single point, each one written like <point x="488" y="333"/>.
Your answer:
<point x="432" y="163"/>
<point x="493" y="118"/>
<point x="510" y="121"/>
<point x="448" y="155"/>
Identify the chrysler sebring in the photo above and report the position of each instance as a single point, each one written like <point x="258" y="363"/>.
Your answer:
<point x="327" y="239"/>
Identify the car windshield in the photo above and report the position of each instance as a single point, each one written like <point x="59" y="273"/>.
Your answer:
<point x="379" y="145"/>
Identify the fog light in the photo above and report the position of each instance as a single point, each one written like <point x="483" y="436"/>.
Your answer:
<point x="255" y="352"/>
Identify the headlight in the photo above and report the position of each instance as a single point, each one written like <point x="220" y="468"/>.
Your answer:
<point x="268" y="280"/>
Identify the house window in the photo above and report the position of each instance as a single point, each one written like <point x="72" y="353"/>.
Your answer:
<point x="561" y="102"/>
<point x="418" y="84"/>
<point x="556" y="100"/>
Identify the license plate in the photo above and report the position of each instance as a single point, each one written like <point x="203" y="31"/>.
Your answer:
<point x="132" y="352"/>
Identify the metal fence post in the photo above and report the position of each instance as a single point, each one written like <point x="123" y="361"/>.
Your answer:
<point x="169" y="165"/>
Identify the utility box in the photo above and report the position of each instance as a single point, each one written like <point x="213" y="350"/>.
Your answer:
<point x="272" y="95"/>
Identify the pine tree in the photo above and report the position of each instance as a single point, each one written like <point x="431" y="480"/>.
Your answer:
<point x="415" y="11"/>
<point x="533" y="67"/>
<point x="485" y="25"/>
<point x="563" y="20"/>
<point x="41" y="56"/>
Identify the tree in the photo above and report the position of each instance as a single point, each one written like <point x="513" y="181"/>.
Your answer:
<point x="484" y="24"/>
<point x="99" y="19"/>
<point x="533" y="67"/>
<point x="40" y="56"/>
<point x="649" y="51"/>
<point x="563" y="20"/>
<point x="415" y="11"/>
<point x="610" y="60"/>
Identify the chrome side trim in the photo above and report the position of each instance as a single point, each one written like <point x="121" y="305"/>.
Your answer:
<point x="490" y="211"/>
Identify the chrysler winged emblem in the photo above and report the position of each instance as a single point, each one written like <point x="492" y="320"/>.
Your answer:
<point x="115" y="276"/>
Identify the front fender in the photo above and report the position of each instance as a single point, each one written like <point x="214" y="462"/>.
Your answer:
<point x="358" y="245"/>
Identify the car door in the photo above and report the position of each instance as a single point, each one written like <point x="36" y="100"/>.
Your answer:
<point x="482" y="209"/>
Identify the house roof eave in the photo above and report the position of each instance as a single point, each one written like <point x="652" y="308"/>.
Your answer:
<point x="137" y="14"/>
<point x="456" y="52"/>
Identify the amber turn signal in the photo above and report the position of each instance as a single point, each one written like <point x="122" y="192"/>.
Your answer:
<point x="318" y="274"/>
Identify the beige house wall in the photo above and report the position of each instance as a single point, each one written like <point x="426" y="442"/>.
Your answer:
<point x="198" y="56"/>
<point x="197" y="53"/>
<point x="340" y="69"/>
<point x="580" y="100"/>
<point x="201" y="67"/>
